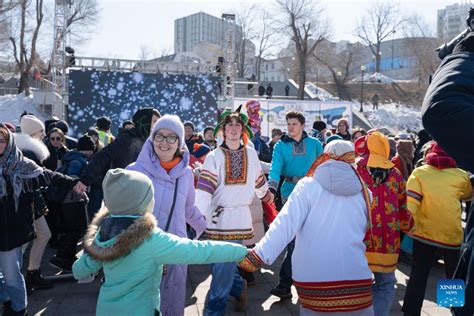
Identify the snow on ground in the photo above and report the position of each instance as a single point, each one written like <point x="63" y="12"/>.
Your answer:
<point x="320" y="93"/>
<point x="11" y="107"/>
<point x="376" y="77"/>
<point x="398" y="117"/>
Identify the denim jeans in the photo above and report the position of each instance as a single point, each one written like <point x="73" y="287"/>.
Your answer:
<point x="286" y="275"/>
<point x="383" y="292"/>
<point x="226" y="281"/>
<point x="12" y="283"/>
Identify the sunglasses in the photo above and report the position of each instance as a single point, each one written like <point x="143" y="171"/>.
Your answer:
<point x="54" y="139"/>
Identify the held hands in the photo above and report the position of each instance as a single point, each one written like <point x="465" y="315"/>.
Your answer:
<point x="251" y="262"/>
<point x="268" y="197"/>
<point x="80" y="187"/>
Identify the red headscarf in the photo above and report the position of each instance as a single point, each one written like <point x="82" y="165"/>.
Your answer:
<point x="437" y="157"/>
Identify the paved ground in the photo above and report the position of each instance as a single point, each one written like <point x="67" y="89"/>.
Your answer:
<point x="70" y="298"/>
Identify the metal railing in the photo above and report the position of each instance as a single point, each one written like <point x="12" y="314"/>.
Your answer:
<point x="111" y="64"/>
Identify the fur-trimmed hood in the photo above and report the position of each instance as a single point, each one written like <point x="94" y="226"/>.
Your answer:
<point x="25" y="142"/>
<point x="130" y="238"/>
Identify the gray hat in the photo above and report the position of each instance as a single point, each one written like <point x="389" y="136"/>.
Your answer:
<point x="127" y="192"/>
<point x="173" y="123"/>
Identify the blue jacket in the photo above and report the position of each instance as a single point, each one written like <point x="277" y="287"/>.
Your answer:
<point x="292" y="159"/>
<point x="75" y="162"/>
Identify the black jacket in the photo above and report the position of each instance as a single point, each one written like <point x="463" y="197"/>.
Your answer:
<point x="118" y="154"/>
<point x="55" y="155"/>
<point x="448" y="107"/>
<point x="16" y="225"/>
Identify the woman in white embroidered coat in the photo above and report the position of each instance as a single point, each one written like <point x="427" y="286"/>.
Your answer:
<point x="328" y="214"/>
<point x="231" y="177"/>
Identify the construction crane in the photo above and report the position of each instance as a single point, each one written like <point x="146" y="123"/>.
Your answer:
<point x="58" y="57"/>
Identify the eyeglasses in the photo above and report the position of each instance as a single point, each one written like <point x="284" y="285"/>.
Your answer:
<point x="171" y="139"/>
<point x="2" y="141"/>
<point x="54" y="139"/>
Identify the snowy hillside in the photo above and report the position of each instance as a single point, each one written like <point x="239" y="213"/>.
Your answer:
<point x="376" y="77"/>
<point x="11" y="107"/>
<point x="320" y="93"/>
<point x="400" y="118"/>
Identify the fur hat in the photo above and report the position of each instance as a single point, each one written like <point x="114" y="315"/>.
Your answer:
<point x="127" y="192"/>
<point x="85" y="143"/>
<point x="173" y="123"/>
<point x="30" y="125"/>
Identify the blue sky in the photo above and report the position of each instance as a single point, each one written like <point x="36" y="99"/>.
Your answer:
<point x="125" y="26"/>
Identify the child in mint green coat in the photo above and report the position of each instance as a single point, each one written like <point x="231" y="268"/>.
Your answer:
<point x="125" y="241"/>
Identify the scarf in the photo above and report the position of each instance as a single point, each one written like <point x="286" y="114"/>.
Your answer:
<point x="20" y="170"/>
<point x="348" y="157"/>
<point x="170" y="164"/>
<point x="406" y="153"/>
<point x="437" y="157"/>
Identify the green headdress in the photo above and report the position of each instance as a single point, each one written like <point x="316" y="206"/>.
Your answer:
<point x="243" y="117"/>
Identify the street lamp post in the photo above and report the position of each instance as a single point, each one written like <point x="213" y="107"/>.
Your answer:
<point x="362" y="70"/>
<point x="393" y="44"/>
<point x="338" y="83"/>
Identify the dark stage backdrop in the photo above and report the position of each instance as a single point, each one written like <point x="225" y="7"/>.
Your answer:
<point x="119" y="94"/>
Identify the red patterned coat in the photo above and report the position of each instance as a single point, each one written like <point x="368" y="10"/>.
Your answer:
<point x="389" y="215"/>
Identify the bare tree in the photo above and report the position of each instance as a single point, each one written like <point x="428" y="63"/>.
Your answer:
<point x="145" y="53"/>
<point x="303" y="20"/>
<point x="264" y="37"/>
<point x="6" y="9"/>
<point x="245" y="20"/>
<point x="83" y="16"/>
<point x="24" y="58"/>
<point x="382" y="19"/>
<point x="340" y="65"/>
<point x="421" y="42"/>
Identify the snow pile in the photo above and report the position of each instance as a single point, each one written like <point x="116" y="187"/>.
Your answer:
<point x="12" y="106"/>
<point x="398" y="117"/>
<point x="319" y="92"/>
<point x="376" y="77"/>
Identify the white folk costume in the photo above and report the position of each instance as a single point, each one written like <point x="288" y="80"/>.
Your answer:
<point x="225" y="189"/>
<point x="328" y="214"/>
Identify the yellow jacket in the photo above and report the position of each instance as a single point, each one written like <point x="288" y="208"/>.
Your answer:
<point x="434" y="200"/>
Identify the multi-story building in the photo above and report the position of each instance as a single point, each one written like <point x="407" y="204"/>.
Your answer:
<point x="5" y="24"/>
<point x="199" y="28"/>
<point x="452" y="20"/>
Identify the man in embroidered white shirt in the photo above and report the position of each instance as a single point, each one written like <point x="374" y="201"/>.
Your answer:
<point x="230" y="177"/>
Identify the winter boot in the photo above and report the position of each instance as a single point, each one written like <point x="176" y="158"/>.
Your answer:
<point x="35" y="281"/>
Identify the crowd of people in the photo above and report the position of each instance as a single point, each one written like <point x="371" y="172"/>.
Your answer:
<point x="143" y="204"/>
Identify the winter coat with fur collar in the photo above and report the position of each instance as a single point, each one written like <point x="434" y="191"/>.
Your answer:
<point x="132" y="253"/>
